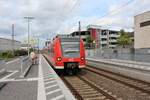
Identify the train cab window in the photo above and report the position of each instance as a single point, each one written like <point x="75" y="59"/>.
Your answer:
<point x="71" y="49"/>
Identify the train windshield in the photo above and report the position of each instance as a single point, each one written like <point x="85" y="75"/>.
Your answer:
<point x="70" y="48"/>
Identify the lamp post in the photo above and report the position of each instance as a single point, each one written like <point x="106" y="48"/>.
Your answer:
<point x="28" y="20"/>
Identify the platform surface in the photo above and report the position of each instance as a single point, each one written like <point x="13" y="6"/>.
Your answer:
<point x="41" y="83"/>
<point x="137" y="70"/>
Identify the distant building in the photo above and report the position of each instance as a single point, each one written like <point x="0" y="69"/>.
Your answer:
<point x="82" y="34"/>
<point x="8" y="44"/>
<point x="25" y="46"/>
<point x="63" y="35"/>
<point x="47" y="43"/>
<point x="103" y="38"/>
<point x="142" y="30"/>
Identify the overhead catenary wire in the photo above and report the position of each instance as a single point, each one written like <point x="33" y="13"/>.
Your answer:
<point x="116" y="10"/>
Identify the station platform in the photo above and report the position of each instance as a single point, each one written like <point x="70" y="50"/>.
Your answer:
<point x="41" y="83"/>
<point x="134" y="69"/>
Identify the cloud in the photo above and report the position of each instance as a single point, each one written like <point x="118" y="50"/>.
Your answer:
<point x="62" y="16"/>
<point x="48" y="16"/>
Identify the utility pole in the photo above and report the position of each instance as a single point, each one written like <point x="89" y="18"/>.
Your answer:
<point x="13" y="39"/>
<point x="38" y="45"/>
<point x="79" y="29"/>
<point x="28" y="20"/>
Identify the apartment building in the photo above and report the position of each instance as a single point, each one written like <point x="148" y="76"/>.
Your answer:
<point x="104" y="38"/>
<point x="82" y="34"/>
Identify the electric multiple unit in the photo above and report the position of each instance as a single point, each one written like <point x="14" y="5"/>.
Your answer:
<point x="67" y="53"/>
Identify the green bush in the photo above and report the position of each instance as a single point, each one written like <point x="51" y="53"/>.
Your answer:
<point x="20" y="52"/>
<point x="6" y="54"/>
<point x="10" y="54"/>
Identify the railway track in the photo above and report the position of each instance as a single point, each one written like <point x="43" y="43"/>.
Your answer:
<point x="133" y="83"/>
<point x="84" y="89"/>
<point x="97" y="84"/>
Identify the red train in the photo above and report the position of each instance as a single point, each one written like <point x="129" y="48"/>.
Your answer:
<point x="67" y="53"/>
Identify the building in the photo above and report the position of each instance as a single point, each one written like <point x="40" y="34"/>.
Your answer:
<point x="103" y="38"/>
<point x="82" y="34"/>
<point x="8" y="44"/>
<point x="108" y="38"/>
<point x="25" y="46"/>
<point x="142" y="31"/>
<point x="47" y="43"/>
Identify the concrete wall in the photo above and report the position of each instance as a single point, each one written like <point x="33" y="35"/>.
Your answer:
<point x="7" y="44"/>
<point x="142" y="34"/>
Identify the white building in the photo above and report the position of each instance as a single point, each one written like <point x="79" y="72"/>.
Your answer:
<point x="8" y="44"/>
<point x="25" y="46"/>
<point x="142" y="30"/>
<point x="104" y="38"/>
<point x="108" y="38"/>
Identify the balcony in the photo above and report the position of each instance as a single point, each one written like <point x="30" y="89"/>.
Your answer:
<point x="103" y="42"/>
<point x="114" y="35"/>
<point x="103" y="36"/>
<point x="112" y="46"/>
<point x="113" y="40"/>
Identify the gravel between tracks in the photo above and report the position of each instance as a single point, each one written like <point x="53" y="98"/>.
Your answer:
<point x="86" y="89"/>
<point x="118" y="89"/>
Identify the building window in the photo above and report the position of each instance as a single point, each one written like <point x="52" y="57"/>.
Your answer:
<point x="84" y="39"/>
<point x="104" y="33"/>
<point x="146" y="23"/>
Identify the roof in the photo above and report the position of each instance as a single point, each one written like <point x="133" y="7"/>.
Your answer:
<point x="142" y="13"/>
<point x="94" y="26"/>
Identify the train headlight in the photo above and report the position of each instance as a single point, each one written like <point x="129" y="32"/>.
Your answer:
<point x="59" y="59"/>
<point x="82" y="58"/>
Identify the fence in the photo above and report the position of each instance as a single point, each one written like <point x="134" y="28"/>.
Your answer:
<point x="26" y="63"/>
<point x="2" y="67"/>
<point x="123" y="54"/>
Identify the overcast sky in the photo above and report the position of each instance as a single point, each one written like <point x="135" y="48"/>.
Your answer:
<point x="62" y="16"/>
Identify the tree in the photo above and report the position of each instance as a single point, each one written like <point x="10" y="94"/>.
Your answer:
<point x="88" y="41"/>
<point x="124" y="39"/>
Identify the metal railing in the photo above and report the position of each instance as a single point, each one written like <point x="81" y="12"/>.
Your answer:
<point x="2" y="67"/>
<point x="26" y="63"/>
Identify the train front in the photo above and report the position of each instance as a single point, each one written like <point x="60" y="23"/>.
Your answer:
<point x="73" y="54"/>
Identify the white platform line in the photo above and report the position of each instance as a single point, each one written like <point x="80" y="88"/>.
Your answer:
<point x="33" y="79"/>
<point x="12" y="61"/>
<point x="9" y="75"/>
<point x="50" y="73"/>
<point x="48" y="87"/>
<point x="58" y="97"/>
<point x="49" y="82"/>
<point x="41" y="90"/>
<point x="7" y="80"/>
<point x="57" y="90"/>
<point x="49" y="79"/>
<point x="19" y="80"/>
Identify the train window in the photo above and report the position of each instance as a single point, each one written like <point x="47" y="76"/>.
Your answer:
<point x="71" y="49"/>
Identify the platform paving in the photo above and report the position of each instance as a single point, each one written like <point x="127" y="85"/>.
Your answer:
<point x="139" y="70"/>
<point x="41" y="83"/>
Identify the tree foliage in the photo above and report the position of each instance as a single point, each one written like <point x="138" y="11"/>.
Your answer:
<point x="88" y="41"/>
<point x="124" y="39"/>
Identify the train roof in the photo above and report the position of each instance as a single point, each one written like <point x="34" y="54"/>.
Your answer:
<point x="69" y="39"/>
